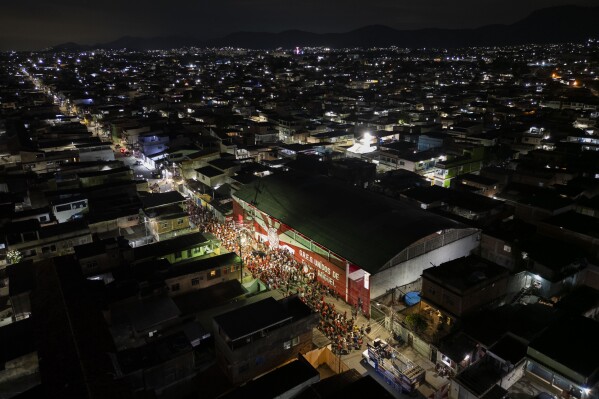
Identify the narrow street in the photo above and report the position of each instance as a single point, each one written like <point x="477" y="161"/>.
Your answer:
<point x="282" y="273"/>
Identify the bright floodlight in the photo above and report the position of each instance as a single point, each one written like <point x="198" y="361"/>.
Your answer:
<point x="362" y="146"/>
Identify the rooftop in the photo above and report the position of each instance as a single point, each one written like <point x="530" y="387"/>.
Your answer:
<point x="18" y="339"/>
<point x="209" y="171"/>
<point x="522" y="321"/>
<point x="481" y="377"/>
<point x="363" y="227"/>
<point x="194" y="266"/>
<point x="153" y="353"/>
<point x="277" y="382"/>
<point x="509" y="349"/>
<point x="163" y="248"/>
<point x="145" y="313"/>
<point x="154" y="200"/>
<point x="573" y="343"/>
<point x="223" y="163"/>
<point x="257" y="316"/>
<point x="576" y="222"/>
<point x="465" y="273"/>
<point x="209" y="297"/>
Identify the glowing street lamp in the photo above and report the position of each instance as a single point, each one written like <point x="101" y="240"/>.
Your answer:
<point x="242" y="240"/>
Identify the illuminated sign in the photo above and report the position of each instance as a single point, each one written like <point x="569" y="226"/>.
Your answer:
<point x="324" y="272"/>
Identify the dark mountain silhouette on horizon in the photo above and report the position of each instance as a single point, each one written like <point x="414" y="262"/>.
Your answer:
<point x="549" y="25"/>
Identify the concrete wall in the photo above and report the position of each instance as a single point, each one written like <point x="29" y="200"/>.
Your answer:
<point x="591" y="276"/>
<point x="114" y="224"/>
<point x="459" y="392"/>
<point x="100" y="154"/>
<point x="411" y="270"/>
<point x="555" y="288"/>
<point x="498" y="251"/>
<point x="320" y="356"/>
<point x="261" y="355"/>
<point x="204" y="279"/>
<point x="21" y="305"/>
<point x="20" y="367"/>
<point x="513" y="376"/>
<point x="470" y="300"/>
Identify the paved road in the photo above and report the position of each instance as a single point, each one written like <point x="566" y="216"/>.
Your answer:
<point x="354" y="358"/>
<point x="142" y="171"/>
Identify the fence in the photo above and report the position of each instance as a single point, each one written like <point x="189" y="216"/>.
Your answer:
<point x="429" y="244"/>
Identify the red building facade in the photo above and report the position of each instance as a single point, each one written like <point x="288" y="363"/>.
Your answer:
<point x="349" y="281"/>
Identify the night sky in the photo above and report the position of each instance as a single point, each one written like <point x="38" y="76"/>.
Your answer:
<point x="34" y="24"/>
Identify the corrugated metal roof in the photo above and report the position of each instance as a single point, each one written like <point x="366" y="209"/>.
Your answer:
<point x="361" y="226"/>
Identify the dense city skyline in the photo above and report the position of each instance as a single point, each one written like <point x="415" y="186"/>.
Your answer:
<point x="34" y="24"/>
<point x="304" y="200"/>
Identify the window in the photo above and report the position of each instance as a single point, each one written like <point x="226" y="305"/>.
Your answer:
<point x="244" y="367"/>
<point x="63" y="208"/>
<point x="78" y="205"/>
<point x="164" y="225"/>
<point x="287" y="345"/>
<point x="48" y="249"/>
<point x="447" y="300"/>
<point x="175" y="287"/>
<point x="295" y="341"/>
<point x="29" y="252"/>
<point x="214" y="274"/>
<point x="180" y="222"/>
<point x="43" y="218"/>
<point x="507" y="248"/>
<point x="195" y="281"/>
<point x="91" y="265"/>
<point x="29" y="236"/>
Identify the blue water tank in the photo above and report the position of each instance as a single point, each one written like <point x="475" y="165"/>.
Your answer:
<point x="412" y="298"/>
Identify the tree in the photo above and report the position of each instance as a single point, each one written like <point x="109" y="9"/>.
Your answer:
<point x="416" y="322"/>
<point x="13" y="256"/>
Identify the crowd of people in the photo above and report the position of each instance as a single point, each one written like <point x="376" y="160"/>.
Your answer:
<point x="343" y="331"/>
<point x="279" y="270"/>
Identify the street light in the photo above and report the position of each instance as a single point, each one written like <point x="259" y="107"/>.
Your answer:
<point x="241" y="242"/>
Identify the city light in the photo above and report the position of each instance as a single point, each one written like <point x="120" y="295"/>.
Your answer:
<point x="344" y="205"/>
